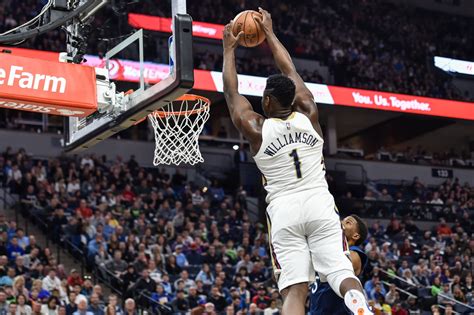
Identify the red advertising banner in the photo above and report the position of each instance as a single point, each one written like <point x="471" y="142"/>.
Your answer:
<point x="127" y="70"/>
<point x="47" y="87"/>
<point x="161" y="24"/>
<point x="401" y="103"/>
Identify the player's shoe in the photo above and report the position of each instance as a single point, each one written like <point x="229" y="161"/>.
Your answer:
<point x="356" y="302"/>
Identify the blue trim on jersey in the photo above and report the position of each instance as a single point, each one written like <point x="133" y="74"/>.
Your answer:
<point x="363" y="256"/>
<point x="324" y="301"/>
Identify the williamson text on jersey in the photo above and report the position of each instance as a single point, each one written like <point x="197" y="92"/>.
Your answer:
<point x="296" y="137"/>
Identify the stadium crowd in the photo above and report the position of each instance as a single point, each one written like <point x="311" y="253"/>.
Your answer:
<point x="411" y="155"/>
<point x="350" y="37"/>
<point x="160" y="239"/>
<point x="420" y="155"/>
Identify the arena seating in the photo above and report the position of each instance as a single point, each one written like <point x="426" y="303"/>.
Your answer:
<point x="162" y="243"/>
<point x="410" y="155"/>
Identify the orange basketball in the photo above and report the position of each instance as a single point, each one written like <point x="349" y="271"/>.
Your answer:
<point x="253" y="33"/>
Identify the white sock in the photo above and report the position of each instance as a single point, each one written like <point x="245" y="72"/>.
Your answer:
<point x="357" y="303"/>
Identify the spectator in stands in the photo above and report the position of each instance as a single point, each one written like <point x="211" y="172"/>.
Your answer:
<point x="144" y="283"/>
<point x="392" y="294"/>
<point x="449" y="310"/>
<point x="445" y="296"/>
<point x="421" y="278"/>
<point x="82" y="307"/>
<point x="37" y="308"/>
<point x="369" y="195"/>
<point x="377" y="292"/>
<point x="272" y="309"/>
<point x="245" y="262"/>
<point x="3" y="301"/>
<point x="83" y="210"/>
<point x="130" y="307"/>
<point x="19" y="285"/>
<point x="261" y="299"/>
<point x="180" y="304"/>
<point x="385" y="196"/>
<point x="23" y="241"/>
<point x="93" y="246"/>
<point x="171" y="266"/>
<point x="436" y="286"/>
<point x="51" y="281"/>
<point x="205" y="275"/>
<point x="406" y="250"/>
<point x="398" y="309"/>
<point x="74" y="278"/>
<point x="22" y="306"/>
<point x="51" y="307"/>
<point x="117" y="265"/>
<point x="443" y="229"/>
<point x="12" y="308"/>
<point x="14" y="249"/>
<point x="435" y="199"/>
<point x="113" y="307"/>
<point x="217" y="299"/>
<point x="7" y="280"/>
<point x="181" y="260"/>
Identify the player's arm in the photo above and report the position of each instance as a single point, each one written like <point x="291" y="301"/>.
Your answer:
<point x="356" y="262"/>
<point x="241" y="112"/>
<point x="304" y="100"/>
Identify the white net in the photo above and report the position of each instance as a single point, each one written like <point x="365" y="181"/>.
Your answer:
<point x="177" y="128"/>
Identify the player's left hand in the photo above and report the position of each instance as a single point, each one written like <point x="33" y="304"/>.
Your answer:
<point x="229" y="40"/>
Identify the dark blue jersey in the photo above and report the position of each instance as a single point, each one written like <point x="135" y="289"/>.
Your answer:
<point x="324" y="301"/>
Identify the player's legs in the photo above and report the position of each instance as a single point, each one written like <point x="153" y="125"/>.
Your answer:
<point x="328" y="245"/>
<point x="292" y="267"/>
<point x="294" y="298"/>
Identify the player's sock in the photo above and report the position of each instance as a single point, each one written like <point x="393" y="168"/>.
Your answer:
<point x="357" y="303"/>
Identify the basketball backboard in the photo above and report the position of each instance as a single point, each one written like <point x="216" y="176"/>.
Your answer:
<point x="126" y="110"/>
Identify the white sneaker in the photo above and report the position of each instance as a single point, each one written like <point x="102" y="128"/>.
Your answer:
<point x="357" y="303"/>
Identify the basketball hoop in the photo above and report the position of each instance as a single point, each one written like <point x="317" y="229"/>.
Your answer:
<point x="177" y="127"/>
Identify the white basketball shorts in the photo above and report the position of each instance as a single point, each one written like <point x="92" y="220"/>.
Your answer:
<point x="306" y="237"/>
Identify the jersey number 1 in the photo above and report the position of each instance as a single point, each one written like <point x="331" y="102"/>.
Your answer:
<point x="296" y="161"/>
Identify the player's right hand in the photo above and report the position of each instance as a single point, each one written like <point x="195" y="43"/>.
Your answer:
<point x="230" y="41"/>
<point x="265" y="22"/>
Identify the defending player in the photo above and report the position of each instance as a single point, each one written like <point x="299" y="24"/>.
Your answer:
<point x="306" y="234"/>
<point x="322" y="299"/>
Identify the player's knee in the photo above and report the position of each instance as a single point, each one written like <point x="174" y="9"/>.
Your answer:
<point x="336" y="278"/>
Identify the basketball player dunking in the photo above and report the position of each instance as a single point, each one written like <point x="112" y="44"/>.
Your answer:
<point x="306" y="234"/>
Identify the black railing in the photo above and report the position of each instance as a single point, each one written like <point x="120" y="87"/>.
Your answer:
<point x="387" y="209"/>
<point x="105" y="276"/>
<point x="147" y="304"/>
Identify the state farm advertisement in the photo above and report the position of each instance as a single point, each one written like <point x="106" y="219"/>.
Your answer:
<point x="401" y="103"/>
<point x="47" y="87"/>
<point x="161" y="24"/>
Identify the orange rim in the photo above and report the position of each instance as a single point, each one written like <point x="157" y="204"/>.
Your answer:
<point x="186" y="98"/>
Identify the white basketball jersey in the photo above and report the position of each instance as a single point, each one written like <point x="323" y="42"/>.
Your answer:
<point x="291" y="156"/>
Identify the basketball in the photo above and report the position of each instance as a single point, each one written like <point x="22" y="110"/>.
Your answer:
<point x="253" y="33"/>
